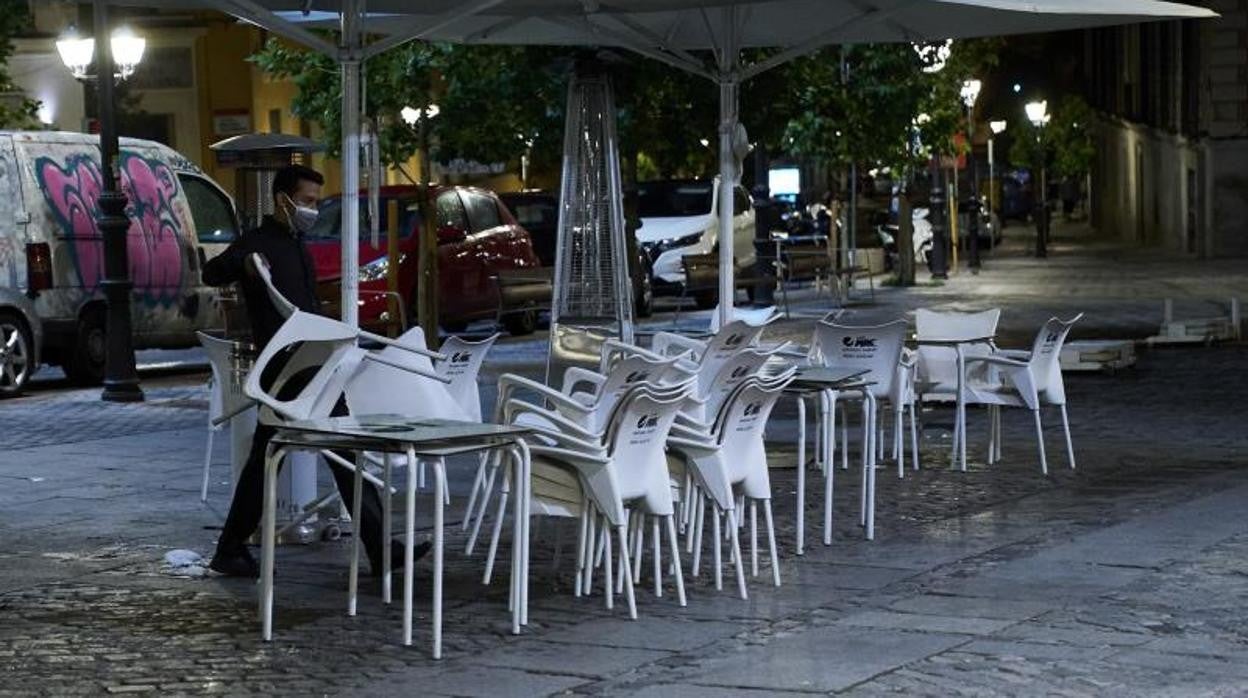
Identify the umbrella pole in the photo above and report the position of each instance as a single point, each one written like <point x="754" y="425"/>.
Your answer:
<point x="727" y="127"/>
<point x="350" y="162"/>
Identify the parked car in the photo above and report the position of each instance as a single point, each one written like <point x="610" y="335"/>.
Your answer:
<point x="477" y="238"/>
<point x="538" y="212"/>
<point x="681" y="217"/>
<point x="52" y="255"/>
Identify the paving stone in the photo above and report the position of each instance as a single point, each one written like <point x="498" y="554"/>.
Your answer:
<point x="486" y="682"/>
<point x="925" y="622"/>
<point x="970" y="607"/>
<point x="822" y="659"/>
<point x="647" y="633"/>
<point x="590" y="661"/>
<point x="685" y="690"/>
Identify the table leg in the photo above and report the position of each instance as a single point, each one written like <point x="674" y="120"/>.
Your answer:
<point x="801" y="471"/>
<point x="353" y="582"/>
<point x="871" y="406"/>
<point x="387" y="514"/>
<point x="268" y="543"/>
<point x="526" y="479"/>
<point x="829" y="474"/>
<point x="439" y="483"/>
<point x="962" y="407"/>
<point x="409" y="544"/>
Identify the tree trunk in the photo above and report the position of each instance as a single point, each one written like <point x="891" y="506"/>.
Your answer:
<point x="905" y="240"/>
<point x="427" y="286"/>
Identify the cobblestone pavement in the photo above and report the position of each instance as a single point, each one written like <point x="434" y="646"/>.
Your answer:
<point x="1124" y="577"/>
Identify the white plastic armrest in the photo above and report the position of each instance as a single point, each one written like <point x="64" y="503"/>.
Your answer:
<point x="612" y="347"/>
<point x="996" y="360"/>
<point x="510" y="381"/>
<point x="576" y="375"/>
<point x="681" y="443"/>
<point x="382" y="339"/>
<point x="664" y="341"/>
<point x="515" y="407"/>
<point x="561" y="440"/>
<point x="394" y="364"/>
<point x="1020" y="354"/>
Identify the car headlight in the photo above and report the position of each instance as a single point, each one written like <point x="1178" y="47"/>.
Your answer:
<point x="377" y="269"/>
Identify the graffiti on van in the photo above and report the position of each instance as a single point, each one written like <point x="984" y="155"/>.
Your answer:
<point x="152" y="241"/>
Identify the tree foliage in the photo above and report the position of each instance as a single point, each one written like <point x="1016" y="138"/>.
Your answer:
<point x="1066" y="142"/>
<point x="21" y="112"/>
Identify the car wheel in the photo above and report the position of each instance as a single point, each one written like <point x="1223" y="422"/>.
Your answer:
<point x="86" y="362"/>
<point x="643" y="293"/>
<point x="520" y="324"/>
<point x="16" y="355"/>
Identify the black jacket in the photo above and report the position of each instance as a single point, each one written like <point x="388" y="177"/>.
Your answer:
<point x="290" y="265"/>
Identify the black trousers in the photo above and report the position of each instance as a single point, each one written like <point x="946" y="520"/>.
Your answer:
<point x="248" y="504"/>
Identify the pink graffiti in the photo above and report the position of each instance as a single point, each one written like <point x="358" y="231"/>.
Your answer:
<point x="152" y="241"/>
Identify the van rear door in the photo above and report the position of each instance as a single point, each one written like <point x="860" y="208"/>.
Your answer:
<point x="13" y="219"/>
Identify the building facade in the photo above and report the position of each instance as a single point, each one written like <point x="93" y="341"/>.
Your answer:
<point x="1172" y="163"/>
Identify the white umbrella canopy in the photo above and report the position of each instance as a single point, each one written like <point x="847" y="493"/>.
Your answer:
<point x="668" y="30"/>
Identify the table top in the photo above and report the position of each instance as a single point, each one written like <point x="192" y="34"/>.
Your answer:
<point x="396" y="432"/>
<point x="824" y="377"/>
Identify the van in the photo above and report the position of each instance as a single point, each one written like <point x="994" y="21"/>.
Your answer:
<point x="52" y="307"/>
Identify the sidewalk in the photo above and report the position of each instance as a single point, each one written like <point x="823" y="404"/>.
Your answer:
<point x="1124" y="577"/>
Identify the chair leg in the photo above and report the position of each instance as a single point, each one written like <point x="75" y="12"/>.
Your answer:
<point x="717" y="542"/>
<point x="898" y="448"/>
<point x="387" y="518"/>
<point x="581" y="533"/>
<point x="486" y="493"/>
<point x="628" y="574"/>
<point x="676" y="571"/>
<point x="771" y="542"/>
<point x="353" y="576"/>
<point x="498" y="528"/>
<point x="753" y="538"/>
<point x="1070" y="447"/>
<point x="477" y="481"/>
<point x="914" y="439"/>
<point x="697" y="537"/>
<point x="203" y="488"/>
<point x="1044" y="464"/>
<point x="656" y="548"/>
<point x="607" y="567"/>
<point x="844" y="438"/>
<point x="639" y="546"/>
<point x="591" y="546"/>
<point x="736" y="546"/>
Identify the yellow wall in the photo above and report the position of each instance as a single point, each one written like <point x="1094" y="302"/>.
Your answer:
<point x="224" y="84"/>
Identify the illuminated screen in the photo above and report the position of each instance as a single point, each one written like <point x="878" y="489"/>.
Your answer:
<point x="784" y="181"/>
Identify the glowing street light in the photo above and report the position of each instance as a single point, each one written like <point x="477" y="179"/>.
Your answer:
<point x="77" y="52"/>
<point x="1038" y="115"/>
<point x="411" y="116"/>
<point x="970" y="92"/>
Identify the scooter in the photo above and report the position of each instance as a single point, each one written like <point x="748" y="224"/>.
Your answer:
<point x="921" y="237"/>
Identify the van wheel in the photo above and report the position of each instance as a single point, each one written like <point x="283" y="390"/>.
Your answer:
<point x="86" y="361"/>
<point x="519" y="324"/>
<point x="16" y="355"/>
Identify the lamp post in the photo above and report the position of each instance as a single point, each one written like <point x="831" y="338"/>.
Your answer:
<point x="1038" y="115"/>
<point x="121" y="53"/>
<point x="970" y="93"/>
<point x="995" y="128"/>
<point x="934" y="57"/>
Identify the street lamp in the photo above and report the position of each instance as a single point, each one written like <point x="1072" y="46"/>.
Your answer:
<point x="1038" y="115"/>
<point x="970" y="93"/>
<point x="995" y="128"/>
<point x="122" y="54"/>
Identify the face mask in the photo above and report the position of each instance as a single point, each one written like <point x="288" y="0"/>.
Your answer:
<point x="302" y="218"/>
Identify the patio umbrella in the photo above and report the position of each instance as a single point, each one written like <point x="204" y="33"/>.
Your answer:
<point x="665" y="30"/>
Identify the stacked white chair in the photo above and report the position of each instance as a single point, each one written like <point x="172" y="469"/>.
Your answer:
<point x="226" y="399"/>
<point x="1023" y="379"/>
<point x="727" y="459"/>
<point x="602" y="477"/>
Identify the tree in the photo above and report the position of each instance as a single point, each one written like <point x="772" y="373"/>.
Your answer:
<point x="19" y="112"/>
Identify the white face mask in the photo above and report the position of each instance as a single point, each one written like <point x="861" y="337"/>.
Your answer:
<point x="302" y="218"/>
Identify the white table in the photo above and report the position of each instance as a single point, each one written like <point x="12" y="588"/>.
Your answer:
<point x="959" y="345"/>
<point x="826" y="383"/>
<point x="419" y="439"/>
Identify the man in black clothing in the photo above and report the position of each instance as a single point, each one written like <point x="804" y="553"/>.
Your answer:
<point x="279" y="240"/>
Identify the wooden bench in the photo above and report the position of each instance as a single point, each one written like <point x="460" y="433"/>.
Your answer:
<point x="702" y="279"/>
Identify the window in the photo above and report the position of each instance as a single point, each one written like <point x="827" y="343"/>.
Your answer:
<point x="211" y="211"/>
<point x="673" y="199"/>
<point x="740" y="201"/>
<point x="328" y="224"/>
<point x="482" y="212"/>
<point x="451" y="212"/>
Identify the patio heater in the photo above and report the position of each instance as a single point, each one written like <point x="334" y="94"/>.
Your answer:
<point x="592" y="294"/>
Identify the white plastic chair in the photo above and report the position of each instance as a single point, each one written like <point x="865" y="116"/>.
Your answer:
<point x="226" y="398"/>
<point x="755" y="317"/>
<point x="938" y="366"/>
<point x="729" y="461"/>
<point x="1023" y="379"/>
<point x="624" y="466"/>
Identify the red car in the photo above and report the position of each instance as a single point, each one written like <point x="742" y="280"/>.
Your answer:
<point x="477" y="237"/>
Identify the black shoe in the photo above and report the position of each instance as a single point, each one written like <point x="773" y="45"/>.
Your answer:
<point x="234" y="561"/>
<point x="397" y="550"/>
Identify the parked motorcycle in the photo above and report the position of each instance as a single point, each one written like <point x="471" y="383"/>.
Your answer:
<point x="921" y="238"/>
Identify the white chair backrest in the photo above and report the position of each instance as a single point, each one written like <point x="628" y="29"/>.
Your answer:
<point x="284" y="307"/>
<point x="623" y="377"/>
<point x="739" y="368"/>
<point x="462" y="365"/>
<point x="639" y="440"/>
<point x="377" y="388"/>
<point x="317" y="342"/>
<point x="938" y="365"/>
<point x="1045" y="365"/>
<point x="755" y="317"/>
<point x="223" y="388"/>
<point x="724" y="345"/>
<point x="746" y="414"/>
<point x="875" y="348"/>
